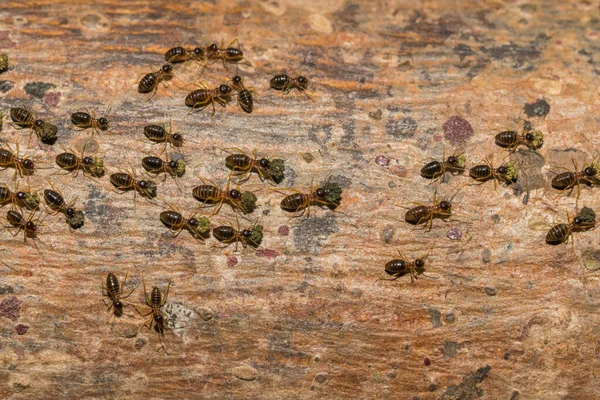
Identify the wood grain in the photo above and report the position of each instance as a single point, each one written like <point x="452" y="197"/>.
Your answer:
<point x="305" y="316"/>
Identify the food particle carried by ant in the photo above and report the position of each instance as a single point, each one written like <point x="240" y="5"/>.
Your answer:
<point x="4" y="65"/>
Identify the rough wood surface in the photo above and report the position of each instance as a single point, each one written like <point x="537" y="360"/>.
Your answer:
<point x="500" y="315"/>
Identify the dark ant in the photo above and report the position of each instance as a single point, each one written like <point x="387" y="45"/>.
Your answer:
<point x="149" y="83"/>
<point x="244" y="98"/>
<point x="247" y="237"/>
<point x="83" y="120"/>
<point x="401" y="266"/>
<point x="506" y="173"/>
<point x="425" y="214"/>
<point x="23" y="166"/>
<point x="198" y="227"/>
<point x="328" y="195"/>
<point x="436" y="170"/>
<point x="159" y="134"/>
<point x="55" y="201"/>
<point x="114" y="291"/>
<point x="28" y="227"/>
<point x="570" y="179"/>
<point x="560" y="233"/>
<point x="156" y="301"/>
<point x="30" y="200"/>
<point x="212" y="194"/>
<point x="125" y="182"/>
<point x="24" y="118"/>
<point x="531" y="138"/>
<point x="70" y="162"/>
<point x="286" y="84"/>
<point x="231" y="54"/>
<point x="181" y="54"/>
<point x="241" y="166"/>
<point x="201" y="98"/>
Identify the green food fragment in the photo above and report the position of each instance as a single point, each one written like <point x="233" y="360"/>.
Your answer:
<point x="203" y="225"/>
<point x="538" y="140"/>
<point x="180" y="169"/>
<point x="276" y="170"/>
<point x="76" y="220"/>
<point x="461" y="160"/>
<point x="256" y="237"/>
<point x="512" y="173"/>
<point x="32" y="200"/>
<point x="97" y="167"/>
<point x="587" y="215"/>
<point x="248" y="202"/>
<point x="333" y="194"/>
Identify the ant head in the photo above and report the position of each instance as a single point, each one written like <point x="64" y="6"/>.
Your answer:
<point x="236" y="79"/>
<point x="173" y="164"/>
<point x="590" y="171"/>
<point x="302" y="80"/>
<point x="88" y="160"/>
<point x="39" y="123"/>
<point x="70" y="211"/>
<point x="246" y="233"/>
<point x="224" y="89"/>
<point x="118" y="306"/>
<point x="503" y="170"/>
<point x="31" y="226"/>
<point x="103" y="123"/>
<point x="445" y="205"/>
<point x="235" y="194"/>
<point x="264" y="163"/>
<point x="193" y="222"/>
<point x="143" y="184"/>
<point x="198" y="51"/>
<point x="213" y="48"/>
<point x="177" y="137"/>
<point x="167" y="69"/>
<point x="321" y="192"/>
<point x="529" y="137"/>
<point x="577" y="221"/>
<point x="452" y="160"/>
<point x="28" y="164"/>
<point x="420" y="263"/>
<point x="21" y="195"/>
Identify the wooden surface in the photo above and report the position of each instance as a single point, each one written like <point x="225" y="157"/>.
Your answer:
<point x="499" y="315"/>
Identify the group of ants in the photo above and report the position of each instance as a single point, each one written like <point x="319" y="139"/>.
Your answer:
<point x="242" y="165"/>
<point x="507" y="174"/>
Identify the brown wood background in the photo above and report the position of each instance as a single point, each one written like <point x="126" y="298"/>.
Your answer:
<point x="305" y="316"/>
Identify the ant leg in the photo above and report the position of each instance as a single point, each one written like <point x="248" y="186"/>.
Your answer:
<point x="166" y="292"/>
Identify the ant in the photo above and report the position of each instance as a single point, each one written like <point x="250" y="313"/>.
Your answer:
<point x="531" y="138"/>
<point x="181" y="54"/>
<point x="55" y="201"/>
<point x="114" y="291"/>
<point x="244" y="98"/>
<point x="286" y="84"/>
<point x="23" y="166"/>
<point x="506" y="173"/>
<point x="83" y="120"/>
<point x="230" y="54"/>
<point x="328" y="195"/>
<point x="29" y="199"/>
<point x="425" y="214"/>
<point x="436" y="170"/>
<point x="241" y="166"/>
<point x="560" y="233"/>
<point x="248" y="237"/>
<point x="212" y="194"/>
<point x="570" y="179"/>
<point x="156" y="301"/>
<point x="149" y="83"/>
<point x="159" y="134"/>
<point x="201" y="98"/>
<point x="401" y="266"/>
<point x="28" y="227"/>
<point x="173" y="220"/>
<point x="24" y="118"/>
<point x="125" y="182"/>
<point x="70" y="162"/>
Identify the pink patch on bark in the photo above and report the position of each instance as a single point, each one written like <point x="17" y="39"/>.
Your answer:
<point x="267" y="253"/>
<point x="232" y="262"/>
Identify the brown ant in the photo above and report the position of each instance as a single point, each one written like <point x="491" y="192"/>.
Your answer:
<point x="114" y="291"/>
<point x="159" y="319"/>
